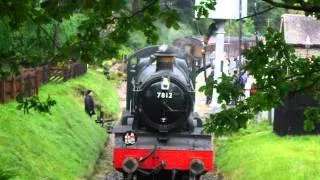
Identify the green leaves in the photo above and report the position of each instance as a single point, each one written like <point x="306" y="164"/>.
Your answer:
<point x="89" y="30"/>
<point x="34" y="103"/>
<point x="207" y="89"/>
<point x="170" y="17"/>
<point x="228" y="121"/>
<point x="278" y="71"/>
<point x="312" y="117"/>
<point x="203" y="8"/>
<point x="229" y="89"/>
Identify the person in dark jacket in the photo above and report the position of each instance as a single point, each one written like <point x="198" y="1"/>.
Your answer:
<point x="89" y="104"/>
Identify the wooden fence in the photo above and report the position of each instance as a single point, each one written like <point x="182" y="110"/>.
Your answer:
<point x="30" y="80"/>
<point x="58" y="74"/>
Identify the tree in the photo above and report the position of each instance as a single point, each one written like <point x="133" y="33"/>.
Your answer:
<point x="278" y="72"/>
<point x="104" y="26"/>
<point x="264" y="15"/>
<point x="310" y="7"/>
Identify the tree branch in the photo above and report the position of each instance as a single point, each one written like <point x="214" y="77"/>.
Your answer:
<point x="290" y="78"/>
<point x="43" y="29"/>
<point x="136" y="12"/>
<point x="143" y="9"/>
<point x="257" y="13"/>
<point x="306" y="7"/>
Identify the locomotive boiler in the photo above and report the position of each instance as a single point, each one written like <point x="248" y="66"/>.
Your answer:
<point x="159" y="135"/>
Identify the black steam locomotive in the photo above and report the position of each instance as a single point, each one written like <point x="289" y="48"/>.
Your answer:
<point x="159" y="134"/>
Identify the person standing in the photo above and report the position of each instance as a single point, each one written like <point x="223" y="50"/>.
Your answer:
<point x="89" y="104"/>
<point x="232" y="66"/>
<point x="243" y="79"/>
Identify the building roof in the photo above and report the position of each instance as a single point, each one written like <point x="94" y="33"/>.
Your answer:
<point x="300" y="30"/>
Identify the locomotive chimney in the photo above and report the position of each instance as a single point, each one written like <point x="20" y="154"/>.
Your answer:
<point x="165" y="59"/>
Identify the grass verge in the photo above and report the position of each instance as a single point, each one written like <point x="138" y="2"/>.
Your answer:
<point x="63" y="145"/>
<point x="257" y="153"/>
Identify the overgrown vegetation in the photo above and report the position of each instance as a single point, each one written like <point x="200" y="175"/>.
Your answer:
<point x="256" y="153"/>
<point x="63" y="145"/>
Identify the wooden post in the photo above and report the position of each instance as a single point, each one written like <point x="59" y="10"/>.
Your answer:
<point x="22" y="84"/>
<point x="70" y="67"/>
<point x="36" y="82"/>
<point x="40" y="75"/>
<point x="47" y="73"/>
<point x="76" y="69"/>
<point x="65" y="73"/>
<point x="43" y="74"/>
<point x="73" y="72"/>
<point x="14" y="88"/>
<point x="79" y="69"/>
<point x="3" y="91"/>
<point x="29" y="86"/>
<point x="84" y="68"/>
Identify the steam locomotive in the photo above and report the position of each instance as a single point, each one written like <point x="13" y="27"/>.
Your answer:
<point x="159" y="135"/>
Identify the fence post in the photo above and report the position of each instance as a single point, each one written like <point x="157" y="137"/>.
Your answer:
<point x="47" y="72"/>
<point x="82" y="70"/>
<point x="73" y="70"/>
<point x="70" y="67"/>
<point x="65" y="73"/>
<point x="22" y="84"/>
<point x="78" y="69"/>
<point x="14" y="88"/>
<point x="29" y="86"/>
<point x="36" y="82"/>
<point x="3" y="91"/>
<point x="40" y="76"/>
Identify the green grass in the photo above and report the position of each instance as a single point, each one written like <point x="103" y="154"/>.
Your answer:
<point x="257" y="153"/>
<point x="63" y="145"/>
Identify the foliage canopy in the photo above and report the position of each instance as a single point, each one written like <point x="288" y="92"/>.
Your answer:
<point x="278" y="72"/>
<point x="97" y="29"/>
